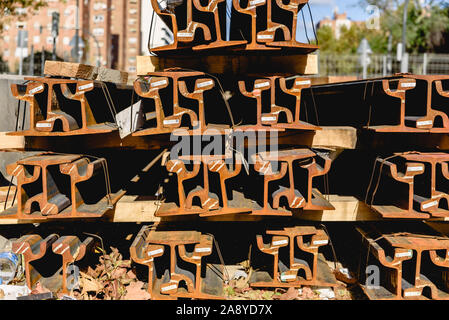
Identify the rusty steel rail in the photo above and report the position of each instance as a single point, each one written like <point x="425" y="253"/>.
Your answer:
<point x="401" y="103"/>
<point x="174" y="281"/>
<point x="211" y="204"/>
<point x="54" y="186"/>
<point x="268" y="34"/>
<point x="34" y="249"/>
<point x="169" y="17"/>
<point x="187" y="35"/>
<point x="294" y="6"/>
<point x="410" y="262"/>
<point x="271" y="120"/>
<point x="213" y="7"/>
<point x="176" y="81"/>
<point x="195" y="35"/>
<point x="428" y="120"/>
<point x="168" y="123"/>
<point x="251" y="11"/>
<point x="312" y="201"/>
<point x="56" y="110"/>
<point x="422" y="179"/>
<point x="208" y="200"/>
<point x="289" y="271"/>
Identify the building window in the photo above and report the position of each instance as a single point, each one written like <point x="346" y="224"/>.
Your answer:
<point x="36" y="39"/>
<point x="132" y="21"/>
<point x="66" y="41"/>
<point x="6" y="39"/>
<point x="98" y="31"/>
<point x="99" y="6"/>
<point x="20" y="11"/>
<point x="132" y="11"/>
<point x="132" y="69"/>
<point x="50" y="12"/>
<point x="132" y="40"/>
<point x="49" y="40"/>
<point x="98" y="18"/>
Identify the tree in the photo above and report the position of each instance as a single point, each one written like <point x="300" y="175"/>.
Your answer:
<point x="10" y="8"/>
<point x="427" y="23"/>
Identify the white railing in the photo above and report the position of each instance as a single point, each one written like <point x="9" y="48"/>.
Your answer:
<point x="381" y="65"/>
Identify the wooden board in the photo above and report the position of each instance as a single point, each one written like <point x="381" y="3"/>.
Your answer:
<point x="347" y="208"/>
<point x="11" y="142"/>
<point x="330" y="137"/>
<point x="237" y="64"/>
<point x="137" y="209"/>
<point x="84" y="71"/>
<point x="331" y="79"/>
<point x="335" y="137"/>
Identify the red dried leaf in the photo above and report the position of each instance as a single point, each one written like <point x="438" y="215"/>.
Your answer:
<point x="135" y="292"/>
<point x="39" y="289"/>
<point x="291" y="294"/>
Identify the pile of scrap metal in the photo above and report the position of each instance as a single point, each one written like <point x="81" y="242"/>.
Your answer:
<point x="254" y="26"/>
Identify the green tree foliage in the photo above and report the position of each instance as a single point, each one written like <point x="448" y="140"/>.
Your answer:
<point x="10" y="8"/>
<point x="427" y="25"/>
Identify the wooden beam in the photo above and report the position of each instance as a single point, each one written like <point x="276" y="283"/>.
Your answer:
<point x="335" y="137"/>
<point x="11" y="142"/>
<point x="330" y="137"/>
<point x="237" y="64"/>
<point x="138" y="209"/>
<point x="84" y="71"/>
<point x="347" y="208"/>
<point x="331" y="79"/>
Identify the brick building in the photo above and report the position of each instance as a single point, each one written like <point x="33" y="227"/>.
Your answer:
<point x="110" y="30"/>
<point x="338" y="21"/>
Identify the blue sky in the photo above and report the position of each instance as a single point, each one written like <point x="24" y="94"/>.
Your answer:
<point x="323" y="8"/>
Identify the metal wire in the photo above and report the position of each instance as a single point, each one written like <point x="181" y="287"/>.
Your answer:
<point x="220" y="256"/>
<point x="313" y="24"/>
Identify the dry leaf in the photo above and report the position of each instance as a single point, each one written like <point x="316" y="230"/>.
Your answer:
<point x="291" y="294"/>
<point x="135" y="292"/>
<point x="307" y="293"/>
<point x="39" y="289"/>
<point x="117" y="273"/>
<point x="131" y="274"/>
<point x="241" y="283"/>
<point x="253" y="295"/>
<point x="89" y="284"/>
<point x="125" y="264"/>
<point x="92" y="272"/>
